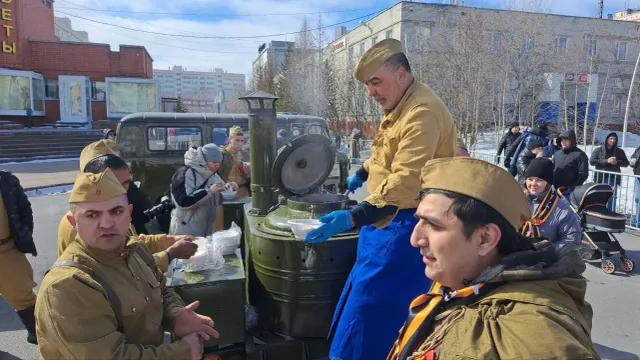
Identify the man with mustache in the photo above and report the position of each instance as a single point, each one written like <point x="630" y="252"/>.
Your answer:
<point x="416" y="127"/>
<point x="104" y="298"/>
<point x="97" y="157"/>
<point x="495" y="293"/>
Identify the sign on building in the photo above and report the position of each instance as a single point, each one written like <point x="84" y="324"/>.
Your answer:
<point x="338" y="46"/>
<point x="577" y="77"/>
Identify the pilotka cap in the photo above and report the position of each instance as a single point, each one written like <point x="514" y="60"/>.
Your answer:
<point x="375" y="57"/>
<point x="96" y="187"/>
<point x="482" y="181"/>
<point x="235" y="131"/>
<point x="96" y="150"/>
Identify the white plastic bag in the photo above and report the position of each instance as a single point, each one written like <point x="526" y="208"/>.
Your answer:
<point x="227" y="240"/>
<point x="208" y="257"/>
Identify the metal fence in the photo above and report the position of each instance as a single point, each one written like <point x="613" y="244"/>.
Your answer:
<point x="625" y="198"/>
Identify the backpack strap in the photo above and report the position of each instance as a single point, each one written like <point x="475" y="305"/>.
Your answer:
<point x="112" y="297"/>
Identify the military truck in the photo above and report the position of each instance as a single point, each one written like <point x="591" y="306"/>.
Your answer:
<point x="155" y="143"/>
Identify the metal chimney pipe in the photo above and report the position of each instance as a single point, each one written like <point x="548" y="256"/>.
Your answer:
<point x="262" y="147"/>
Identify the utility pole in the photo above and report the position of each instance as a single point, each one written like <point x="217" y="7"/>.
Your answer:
<point x="600" y="8"/>
<point x="626" y="112"/>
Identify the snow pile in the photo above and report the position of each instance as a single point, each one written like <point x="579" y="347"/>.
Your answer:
<point x="51" y="190"/>
<point x="40" y="161"/>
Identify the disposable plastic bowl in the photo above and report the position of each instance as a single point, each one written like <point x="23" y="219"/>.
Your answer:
<point x="301" y="227"/>
<point x="228" y="195"/>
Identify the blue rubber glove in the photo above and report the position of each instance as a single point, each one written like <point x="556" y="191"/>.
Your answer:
<point x="334" y="223"/>
<point x="354" y="182"/>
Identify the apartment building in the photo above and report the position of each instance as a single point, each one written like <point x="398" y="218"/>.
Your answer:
<point x="271" y="55"/>
<point x="65" y="31"/>
<point x="585" y="62"/>
<point x="200" y="91"/>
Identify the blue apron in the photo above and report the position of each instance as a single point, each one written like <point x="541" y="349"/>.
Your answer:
<point x="387" y="276"/>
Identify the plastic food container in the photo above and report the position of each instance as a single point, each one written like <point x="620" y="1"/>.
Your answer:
<point x="301" y="227"/>
<point x="228" y="195"/>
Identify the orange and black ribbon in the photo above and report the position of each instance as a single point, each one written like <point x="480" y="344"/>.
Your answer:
<point x="423" y="311"/>
<point x="531" y="228"/>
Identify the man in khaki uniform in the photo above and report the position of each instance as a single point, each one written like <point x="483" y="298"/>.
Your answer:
<point x="105" y="298"/>
<point x="416" y="128"/>
<point x="16" y="240"/>
<point x="164" y="247"/>
<point x="233" y="169"/>
<point x="496" y="294"/>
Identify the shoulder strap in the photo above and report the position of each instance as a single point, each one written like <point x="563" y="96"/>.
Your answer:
<point x="149" y="260"/>
<point x="112" y="297"/>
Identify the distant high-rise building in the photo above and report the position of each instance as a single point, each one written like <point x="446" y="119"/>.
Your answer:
<point x="200" y="91"/>
<point x="271" y="55"/>
<point x="628" y="15"/>
<point x="66" y="33"/>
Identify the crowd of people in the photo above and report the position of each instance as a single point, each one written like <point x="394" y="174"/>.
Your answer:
<point x="455" y="259"/>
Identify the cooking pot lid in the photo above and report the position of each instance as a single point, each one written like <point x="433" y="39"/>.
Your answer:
<point x="303" y="164"/>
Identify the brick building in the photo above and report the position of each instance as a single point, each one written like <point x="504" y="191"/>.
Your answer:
<point x="66" y="82"/>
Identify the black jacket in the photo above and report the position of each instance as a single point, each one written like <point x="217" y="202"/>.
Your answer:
<point x="599" y="158"/>
<point x="507" y="140"/>
<point x="140" y="202"/>
<point x="525" y="158"/>
<point x="571" y="165"/>
<point x="636" y="168"/>
<point x="19" y="212"/>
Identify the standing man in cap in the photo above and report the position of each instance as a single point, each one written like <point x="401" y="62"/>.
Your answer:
<point x="508" y="139"/>
<point x="571" y="165"/>
<point x="105" y="298"/>
<point x="16" y="240"/>
<point x="417" y="127"/>
<point x="96" y="158"/>
<point x="495" y="295"/>
<point x="232" y="168"/>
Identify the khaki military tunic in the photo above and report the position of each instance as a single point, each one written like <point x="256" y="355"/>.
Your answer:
<point x="419" y="129"/>
<point x="156" y="243"/>
<point x="237" y="173"/>
<point x="16" y="274"/>
<point x="74" y="319"/>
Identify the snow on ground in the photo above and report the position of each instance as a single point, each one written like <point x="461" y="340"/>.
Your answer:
<point x="51" y="190"/>
<point x="39" y="161"/>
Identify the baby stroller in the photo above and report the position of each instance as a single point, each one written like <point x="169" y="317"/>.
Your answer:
<point x="599" y="225"/>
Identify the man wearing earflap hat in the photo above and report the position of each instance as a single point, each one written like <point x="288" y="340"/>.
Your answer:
<point x="104" y="154"/>
<point x="495" y="293"/>
<point x="104" y="298"/>
<point x="416" y="127"/>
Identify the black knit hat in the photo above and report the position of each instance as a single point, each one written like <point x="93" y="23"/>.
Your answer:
<point x="514" y="124"/>
<point x="534" y="144"/>
<point x="541" y="168"/>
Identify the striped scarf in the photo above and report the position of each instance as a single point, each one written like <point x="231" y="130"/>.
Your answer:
<point x="531" y="228"/>
<point x="422" y="314"/>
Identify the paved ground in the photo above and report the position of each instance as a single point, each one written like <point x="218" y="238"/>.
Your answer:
<point x="34" y="175"/>
<point x="614" y="297"/>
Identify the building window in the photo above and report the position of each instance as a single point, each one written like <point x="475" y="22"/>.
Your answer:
<point x="617" y="83"/>
<point x="48" y="3"/>
<point x="21" y="90"/>
<point x="561" y="45"/>
<point x="126" y="96"/>
<point x="621" y="51"/>
<point x="374" y="40"/>
<point x="618" y="101"/>
<point x="361" y="48"/>
<point x="389" y="34"/>
<point x="172" y="139"/>
<point x="592" y="47"/>
<point x="528" y="44"/>
<point x="495" y="40"/>
<point x="51" y="89"/>
<point x="98" y="91"/>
